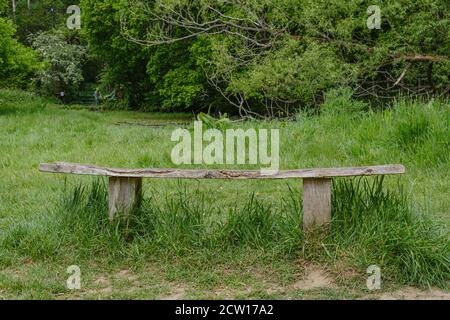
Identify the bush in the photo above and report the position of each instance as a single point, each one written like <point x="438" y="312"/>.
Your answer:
<point x="17" y="63"/>
<point x="64" y="61"/>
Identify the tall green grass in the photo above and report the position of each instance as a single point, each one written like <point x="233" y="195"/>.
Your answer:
<point x="371" y="225"/>
<point x="378" y="226"/>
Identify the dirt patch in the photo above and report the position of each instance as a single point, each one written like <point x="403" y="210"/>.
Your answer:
<point x="102" y="281"/>
<point x="126" y="275"/>
<point x="102" y="286"/>
<point x="176" y="294"/>
<point x="13" y="273"/>
<point x="273" y="288"/>
<point x="314" y="278"/>
<point x="410" y="293"/>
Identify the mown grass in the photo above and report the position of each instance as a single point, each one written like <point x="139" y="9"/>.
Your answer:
<point x="214" y="234"/>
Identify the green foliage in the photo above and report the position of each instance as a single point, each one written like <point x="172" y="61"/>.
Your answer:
<point x="304" y="49"/>
<point x="3" y="7"/>
<point x="210" y="122"/>
<point x="294" y="72"/>
<point x="17" y="63"/>
<point x="177" y="81"/>
<point x="43" y="15"/>
<point x="17" y="102"/>
<point x="125" y="62"/>
<point x="63" y="64"/>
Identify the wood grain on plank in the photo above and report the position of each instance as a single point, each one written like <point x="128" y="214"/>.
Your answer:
<point x="76" y="168"/>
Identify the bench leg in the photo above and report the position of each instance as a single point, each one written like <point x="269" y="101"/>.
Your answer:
<point x="316" y="202"/>
<point x="124" y="194"/>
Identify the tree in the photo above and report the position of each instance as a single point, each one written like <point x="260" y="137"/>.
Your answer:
<point x="271" y="57"/>
<point x="31" y="17"/>
<point x="125" y="62"/>
<point x="3" y="7"/>
<point x="17" y="63"/>
<point x="63" y="61"/>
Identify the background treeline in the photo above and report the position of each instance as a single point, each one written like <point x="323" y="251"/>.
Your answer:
<point x="38" y="51"/>
<point x="252" y="58"/>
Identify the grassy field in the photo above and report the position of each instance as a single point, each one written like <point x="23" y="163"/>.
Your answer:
<point x="221" y="239"/>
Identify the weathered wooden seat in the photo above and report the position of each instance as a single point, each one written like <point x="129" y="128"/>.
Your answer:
<point x="125" y="185"/>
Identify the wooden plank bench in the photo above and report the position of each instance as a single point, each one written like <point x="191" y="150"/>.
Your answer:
<point x="125" y="185"/>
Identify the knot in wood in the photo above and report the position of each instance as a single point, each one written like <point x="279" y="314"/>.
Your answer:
<point x="209" y="175"/>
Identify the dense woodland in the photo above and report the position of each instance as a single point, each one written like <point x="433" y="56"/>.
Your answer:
<point x="250" y="58"/>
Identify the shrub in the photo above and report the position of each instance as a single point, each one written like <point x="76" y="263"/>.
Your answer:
<point x="17" y="62"/>
<point x="63" y="69"/>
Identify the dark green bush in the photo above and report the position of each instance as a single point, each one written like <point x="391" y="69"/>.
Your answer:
<point x="17" y="62"/>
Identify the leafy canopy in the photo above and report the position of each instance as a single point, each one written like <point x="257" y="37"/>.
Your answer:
<point x="17" y="62"/>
